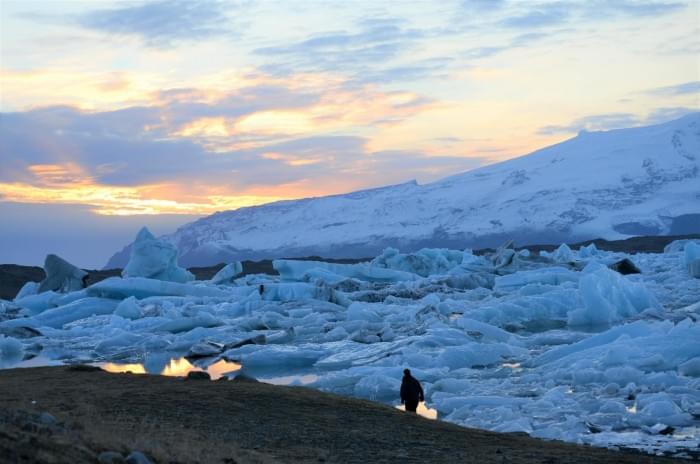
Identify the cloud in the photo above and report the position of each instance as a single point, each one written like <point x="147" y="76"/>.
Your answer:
<point x="519" y="41"/>
<point x="687" y="88"/>
<point x="134" y="160"/>
<point x="539" y="15"/>
<point x="609" y="121"/>
<point x="162" y="23"/>
<point x="366" y="53"/>
<point x="543" y="16"/>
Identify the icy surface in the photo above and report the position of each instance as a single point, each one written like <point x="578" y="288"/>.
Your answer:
<point x="61" y="276"/>
<point x="556" y="345"/>
<point x="155" y="259"/>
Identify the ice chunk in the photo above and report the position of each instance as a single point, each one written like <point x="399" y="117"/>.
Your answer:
<point x="140" y="287"/>
<point x="227" y="273"/>
<point x="184" y="324"/>
<point x="11" y="351"/>
<point x="563" y="254"/>
<point x="588" y="251"/>
<point x="296" y="271"/>
<point x="61" y="276"/>
<point x="59" y="316"/>
<point x="678" y="246"/>
<point x="476" y="354"/>
<point x="692" y="258"/>
<point x="155" y="259"/>
<point x="549" y="276"/>
<point x="690" y="368"/>
<point x="38" y="303"/>
<point x="128" y="309"/>
<point x="609" y="297"/>
<point x="28" y="289"/>
<point x="424" y="262"/>
<point x="378" y="387"/>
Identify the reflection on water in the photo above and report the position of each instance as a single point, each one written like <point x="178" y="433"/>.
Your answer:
<point x="178" y="367"/>
<point x="422" y="410"/>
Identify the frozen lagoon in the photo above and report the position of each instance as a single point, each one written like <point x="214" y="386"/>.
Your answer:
<point x="558" y="346"/>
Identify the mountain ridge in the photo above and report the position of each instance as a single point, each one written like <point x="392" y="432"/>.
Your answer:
<point x="610" y="184"/>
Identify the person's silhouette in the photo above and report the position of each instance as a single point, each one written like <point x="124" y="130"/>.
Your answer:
<point x="411" y="391"/>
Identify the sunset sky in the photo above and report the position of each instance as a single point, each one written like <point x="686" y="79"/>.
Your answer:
<point x="121" y="114"/>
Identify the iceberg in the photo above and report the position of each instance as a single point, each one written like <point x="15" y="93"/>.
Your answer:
<point x="692" y="259"/>
<point x="155" y="259"/>
<point x="424" y="262"/>
<point x="227" y="273"/>
<point x="11" y="351"/>
<point x="609" y="297"/>
<point x="61" y="276"/>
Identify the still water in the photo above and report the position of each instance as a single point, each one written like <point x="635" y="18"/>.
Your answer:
<point x="178" y="367"/>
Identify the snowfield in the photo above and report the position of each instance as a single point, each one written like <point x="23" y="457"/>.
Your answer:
<point x="557" y="345"/>
<point x="611" y="185"/>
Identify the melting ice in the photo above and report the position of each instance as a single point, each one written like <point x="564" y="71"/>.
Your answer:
<point x="558" y="345"/>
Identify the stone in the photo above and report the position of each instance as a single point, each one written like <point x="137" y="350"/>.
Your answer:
<point x="198" y="375"/>
<point x="625" y="267"/>
<point x="84" y="368"/>
<point x="61" y="276"/>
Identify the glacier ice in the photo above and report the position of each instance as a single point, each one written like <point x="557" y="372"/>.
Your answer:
<point x="558" y="347"/>
<point x="609" y="297"/>
<point x="227" y="273"/>
<point x="11" y="351"/>
<point x="692" y="258"/>
<point x="61" y="276"/>
<point x="155" y="259"/>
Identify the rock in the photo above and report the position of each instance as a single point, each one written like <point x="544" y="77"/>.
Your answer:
<point x="227" y="273"/>
<point x="137" y="457"/>
<point x="110" y="457"/>
<point x="155" y="259"/>
<point x="84" y="368"/>
<point x="198" y="375"/>
<point x="61" y="276"/>
<point x="625" y="267"/>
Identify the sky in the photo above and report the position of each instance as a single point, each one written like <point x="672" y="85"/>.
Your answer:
<point x="119" y="114"/>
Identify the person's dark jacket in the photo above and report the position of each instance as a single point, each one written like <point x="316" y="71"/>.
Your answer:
<point x="411" y="389"/>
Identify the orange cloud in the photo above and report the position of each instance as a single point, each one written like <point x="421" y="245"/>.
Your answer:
<point x="109" y="200"/>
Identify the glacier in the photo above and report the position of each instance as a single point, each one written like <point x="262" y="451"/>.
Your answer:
<point x="555" y="345"/>
<point x="612" y="185"/>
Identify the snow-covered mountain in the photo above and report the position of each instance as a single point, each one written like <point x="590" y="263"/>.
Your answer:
<point x="612" y="184"/>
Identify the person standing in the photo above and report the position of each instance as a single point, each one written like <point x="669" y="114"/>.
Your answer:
<point x="411" y="391"/>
